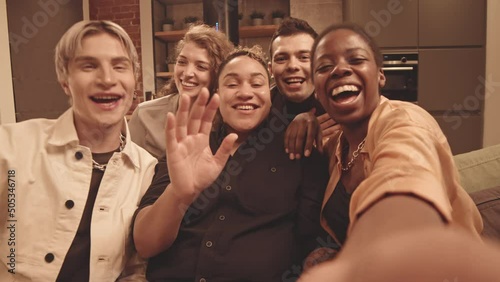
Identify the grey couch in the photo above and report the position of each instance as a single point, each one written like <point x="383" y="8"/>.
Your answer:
<point x="480" y="176"/>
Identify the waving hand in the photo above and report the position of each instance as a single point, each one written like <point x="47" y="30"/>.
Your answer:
<point x="192" y="166"/>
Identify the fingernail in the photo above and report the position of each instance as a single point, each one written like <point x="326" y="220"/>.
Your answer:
<point x="307" y="153"/>
<point x="286" y="150"/>
<point x="292" y="156"/>
<point x="297" y="156"/>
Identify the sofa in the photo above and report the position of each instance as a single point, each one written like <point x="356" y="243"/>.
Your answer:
<point x="480" y="176"/>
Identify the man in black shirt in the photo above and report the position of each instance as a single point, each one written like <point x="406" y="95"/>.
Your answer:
<point x="290" y="65"/>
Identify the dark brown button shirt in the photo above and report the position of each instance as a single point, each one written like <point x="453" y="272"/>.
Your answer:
<point x="248" y="225"/>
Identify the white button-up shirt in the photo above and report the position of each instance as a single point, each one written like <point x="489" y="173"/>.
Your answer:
<point x="41" y="168"/>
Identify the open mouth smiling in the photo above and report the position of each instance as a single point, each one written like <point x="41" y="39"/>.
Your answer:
<point x="188" y="84"/>
<point x="245" y="107"/>
<point x="105" y="99"/>
<point x="345" y="93"/>
<point x="294" y="80"/>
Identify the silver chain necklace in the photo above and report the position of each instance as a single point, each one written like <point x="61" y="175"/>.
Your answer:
<point x="355" y="155"/>
<point x="102" y="167"/>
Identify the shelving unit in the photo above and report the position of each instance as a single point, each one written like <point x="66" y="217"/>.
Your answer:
<point x="164" y="74"/>
<point x="245" y="32"/>
<point x="164" y="41"/>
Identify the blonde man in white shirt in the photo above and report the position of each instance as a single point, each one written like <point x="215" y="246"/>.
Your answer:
<point x="70" y="186"/>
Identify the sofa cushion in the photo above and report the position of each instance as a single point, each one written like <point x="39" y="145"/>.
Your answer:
<point x="479" y="169"/>
<point x="488" y="203"/>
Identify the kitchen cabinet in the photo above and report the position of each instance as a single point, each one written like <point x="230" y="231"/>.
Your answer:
<point x="452" y="23"/>
<point x="450" y="79"/>
<point x="393" y="23"/>
<point x="451" y="88"/>
<point x="449" y="37"/>
<point x="464" y="132"/>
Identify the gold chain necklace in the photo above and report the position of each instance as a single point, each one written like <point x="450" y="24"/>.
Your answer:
<point x="102" y="167"/>
<point x="355" y="155"/>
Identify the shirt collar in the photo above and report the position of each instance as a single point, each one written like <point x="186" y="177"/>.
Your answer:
<point x="64" y="133"/>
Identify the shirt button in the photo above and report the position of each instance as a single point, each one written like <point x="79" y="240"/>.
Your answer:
<point x="203" y="280"/>
<point x="228" y="187"/>
<point x="273" y="169"/>
<point x="209" y="244"/>
<point x="222" y="217"/>
<point x="78" y="155"/>
<point x="49" y="257"/>
<point x="69" y="204"/>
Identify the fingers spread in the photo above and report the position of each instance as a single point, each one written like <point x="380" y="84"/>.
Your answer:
<point x="170" y="133"/>
<point x="208" y="115"/>
<point x="225" y="149"/>
<point x="181" y="117"/>
<point x="196" y="112"/>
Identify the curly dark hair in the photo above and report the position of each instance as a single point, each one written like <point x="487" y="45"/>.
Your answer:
<point x="255" y="52"/>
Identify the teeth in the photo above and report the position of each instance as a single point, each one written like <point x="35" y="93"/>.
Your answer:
<point x="188" y="84"/>
<point x="106" y="97"/>
<point x="245" y="107"/>
<point x="294" y="80"/>
<point x="344" y="88"/>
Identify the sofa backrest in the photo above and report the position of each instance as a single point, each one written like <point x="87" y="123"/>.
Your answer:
<point x="479" y="169"/>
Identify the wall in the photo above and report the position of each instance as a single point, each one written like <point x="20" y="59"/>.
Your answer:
<point x="7" y="112"/>
<point x="318" y="13"/>
<point x="34" y="29"/>
<point x="265" y="6"/>
<point x="492" y="101"/>
<point x="148" y="75"/>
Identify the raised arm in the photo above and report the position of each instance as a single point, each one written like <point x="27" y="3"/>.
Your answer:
<point x="427" y="252"/>
<point x="191" y="168"/>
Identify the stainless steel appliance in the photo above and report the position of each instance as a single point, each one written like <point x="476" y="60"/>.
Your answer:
<point x="401" y="73"/>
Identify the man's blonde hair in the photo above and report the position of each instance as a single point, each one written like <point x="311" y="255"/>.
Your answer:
<point x="73" y="37"/>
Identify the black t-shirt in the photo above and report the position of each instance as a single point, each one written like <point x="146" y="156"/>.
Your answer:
<point x="336" y="212"/>
<point x="76" y="265"/>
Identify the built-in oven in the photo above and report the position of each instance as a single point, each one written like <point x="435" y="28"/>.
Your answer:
<point x="401" y="73"/>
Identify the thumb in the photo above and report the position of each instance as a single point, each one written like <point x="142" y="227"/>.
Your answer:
<point x="225" y="149"/>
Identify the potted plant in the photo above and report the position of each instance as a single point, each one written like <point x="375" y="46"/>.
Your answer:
<point x="240" y="19"/>
<point x="277" y="16"/>
<point x="168" y="24"/>
<point x="257" y="17"/>
<point x="171" y="59"/>
<point x="190" y="20"/>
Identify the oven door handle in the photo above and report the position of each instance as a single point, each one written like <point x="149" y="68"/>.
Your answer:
<point x="397" y="68"/>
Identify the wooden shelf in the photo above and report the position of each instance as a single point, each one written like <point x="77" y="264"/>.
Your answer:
<point x="257" y="31"/>
<point x="164" y="74"/>
<point x="245" y="32"/>
<point x="170" y="36"/>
